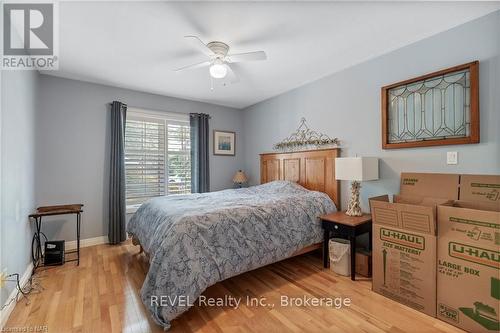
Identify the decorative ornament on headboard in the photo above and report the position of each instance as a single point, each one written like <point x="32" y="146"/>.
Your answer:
<point x="305" y="138"/>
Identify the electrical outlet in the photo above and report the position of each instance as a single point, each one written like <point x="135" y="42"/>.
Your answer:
<point x="452" y="158"/>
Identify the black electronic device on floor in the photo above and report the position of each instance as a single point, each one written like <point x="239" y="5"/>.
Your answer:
<point x="54" y="253"/>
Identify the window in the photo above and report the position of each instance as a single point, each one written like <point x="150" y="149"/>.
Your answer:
<point x="441" y="108"/>
<point x="157" y="155"/>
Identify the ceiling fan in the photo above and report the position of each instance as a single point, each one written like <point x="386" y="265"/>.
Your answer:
<point x="220" y="59"/>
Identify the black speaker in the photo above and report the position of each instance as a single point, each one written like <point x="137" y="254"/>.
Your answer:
<point x="54" y="253"/>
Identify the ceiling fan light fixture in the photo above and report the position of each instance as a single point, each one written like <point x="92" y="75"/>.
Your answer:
<point x="219" y="60"/>
<point x="218" y="70"/>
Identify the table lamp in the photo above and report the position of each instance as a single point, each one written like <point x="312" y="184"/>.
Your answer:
<point x="356" y="169"/>
<point x="240" y="178"/>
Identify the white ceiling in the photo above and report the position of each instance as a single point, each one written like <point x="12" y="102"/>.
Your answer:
<point x="137" y="45"/>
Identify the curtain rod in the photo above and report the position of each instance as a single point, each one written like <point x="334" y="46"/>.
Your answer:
<point x="139" y="108"/>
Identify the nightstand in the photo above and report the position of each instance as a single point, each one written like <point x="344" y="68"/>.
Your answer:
<point x="343" y="226"/>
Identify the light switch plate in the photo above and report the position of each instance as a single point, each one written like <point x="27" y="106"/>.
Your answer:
<point x="452" y="157"/>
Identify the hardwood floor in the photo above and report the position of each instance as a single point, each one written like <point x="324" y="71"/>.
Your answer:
<point x="102" y="295"/>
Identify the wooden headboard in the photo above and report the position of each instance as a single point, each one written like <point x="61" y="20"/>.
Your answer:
<point x="313" y="169"/>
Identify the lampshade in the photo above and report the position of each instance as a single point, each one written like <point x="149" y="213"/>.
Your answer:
<point x="240" y="177"/>
<point x="356" y="168"/>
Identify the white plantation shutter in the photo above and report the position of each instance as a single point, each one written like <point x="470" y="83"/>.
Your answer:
<point x="179" y="158"/>
<point x="157" y="155"/>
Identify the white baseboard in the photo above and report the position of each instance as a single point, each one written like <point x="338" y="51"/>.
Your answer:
<point x="5" y="313"/>
<point x="71" y="245"/>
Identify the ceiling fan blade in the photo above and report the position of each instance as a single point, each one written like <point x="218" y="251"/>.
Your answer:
<point x="248" y="56"/>
<point x="193" y="66"/>
<point x="231" y="76"/>
<point x="196" y="42"/>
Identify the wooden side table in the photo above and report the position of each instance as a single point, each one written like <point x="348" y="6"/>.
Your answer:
<point x="342" y="225"/>
<point x="36" y="244"/>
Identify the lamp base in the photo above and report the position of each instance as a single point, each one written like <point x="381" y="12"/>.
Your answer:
<point x="354" y="208"/>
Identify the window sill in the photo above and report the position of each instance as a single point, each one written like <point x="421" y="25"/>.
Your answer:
<point x="131" y="209"/>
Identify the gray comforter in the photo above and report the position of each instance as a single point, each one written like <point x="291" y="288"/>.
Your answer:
<point x="196" y="240"/>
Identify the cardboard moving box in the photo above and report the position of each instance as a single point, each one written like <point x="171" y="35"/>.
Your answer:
<point x="363" y="262"/>
<point x="468" y="281"/>
<point x="404" y="239"/>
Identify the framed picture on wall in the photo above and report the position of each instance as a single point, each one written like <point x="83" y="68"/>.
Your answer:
<point x="224" y="143"/>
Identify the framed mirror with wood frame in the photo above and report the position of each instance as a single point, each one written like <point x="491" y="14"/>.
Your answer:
<point x="440" y="108"/>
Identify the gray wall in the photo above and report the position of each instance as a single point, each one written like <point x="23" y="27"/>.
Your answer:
<point x="17" y="179"/>
<point x="72" y="147"/>
<point x="347" y="105"/>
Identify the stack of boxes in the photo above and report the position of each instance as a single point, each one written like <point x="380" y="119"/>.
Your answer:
<point x="468" y="284"/>
<point x="436" y="247"/>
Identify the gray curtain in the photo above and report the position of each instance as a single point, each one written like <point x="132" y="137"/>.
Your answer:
<point x="200" y="172"/>
<point x="117" y="206"/>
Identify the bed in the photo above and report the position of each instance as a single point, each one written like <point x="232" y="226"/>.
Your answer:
<point x="194" y="241"/>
